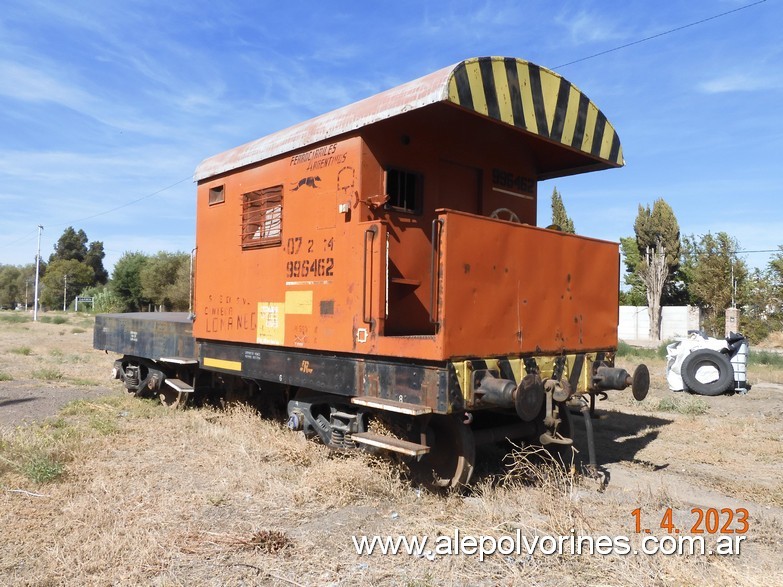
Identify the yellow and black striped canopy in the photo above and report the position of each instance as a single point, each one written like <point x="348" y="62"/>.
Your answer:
<point x="537" y="100"/>
<point x="512" y="91"/>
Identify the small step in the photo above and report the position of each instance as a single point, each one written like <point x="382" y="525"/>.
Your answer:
<point x="179" y="360"/>
<point x="390" y="405"/>
<point x="411" y="449"/>
<point x="179" y="385"/>
<point x="402" y="281"/>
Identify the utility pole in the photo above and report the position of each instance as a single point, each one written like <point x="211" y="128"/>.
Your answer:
<point x="65" y="292"/>
<point x="37" y="272"/>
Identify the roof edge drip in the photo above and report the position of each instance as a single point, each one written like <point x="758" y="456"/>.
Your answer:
<point x="509" y="90"/>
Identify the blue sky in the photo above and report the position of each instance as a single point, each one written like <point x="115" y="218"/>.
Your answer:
<point x="107" y="107"/>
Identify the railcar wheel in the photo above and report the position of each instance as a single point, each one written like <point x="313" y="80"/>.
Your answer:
<point x="452" y="455"/>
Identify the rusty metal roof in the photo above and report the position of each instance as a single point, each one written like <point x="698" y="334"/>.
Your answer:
<point x="509" y="90"/>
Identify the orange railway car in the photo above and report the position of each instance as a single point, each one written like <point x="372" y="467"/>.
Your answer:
<point x="382" y="261"/>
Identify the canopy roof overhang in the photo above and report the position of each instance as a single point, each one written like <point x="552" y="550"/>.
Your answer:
<point x="519" y="95"/>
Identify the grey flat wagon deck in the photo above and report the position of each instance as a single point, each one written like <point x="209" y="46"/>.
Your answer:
<point x="152" y="335"/>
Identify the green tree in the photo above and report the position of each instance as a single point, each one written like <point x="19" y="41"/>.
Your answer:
<point x="717" y="277"/>
<point x="74" y="245"/>
<point x="761" y="308"/>
<point x="165" y="280"/>
<point x="636" y="295"/>
<point x="25" y="284"/>
<point x="776" y="274"/>
<point x="126" y="280"/>
<point x="9" y="286"/>
<point x="559" y="215"/>
<point x="67" y="277"/>
<point x="70" y="245"/>
<point x="658" y="246"/>
<point x="94" y="258"/>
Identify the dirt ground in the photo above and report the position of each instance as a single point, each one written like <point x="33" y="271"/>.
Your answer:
<point x="197" y="497"/>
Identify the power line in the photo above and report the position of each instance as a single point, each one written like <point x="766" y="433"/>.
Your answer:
<point x="759" y="251"/>
<point x="674" y="30"/>
<point x="21" y="238"/>
<point x="126" y="204"/>
<point x="109" y="211"/>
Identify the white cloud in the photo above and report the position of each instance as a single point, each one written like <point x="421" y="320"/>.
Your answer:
<point x="584" y="28"/>
<point x="21" y="82"/>
<point x="741" y="82"/>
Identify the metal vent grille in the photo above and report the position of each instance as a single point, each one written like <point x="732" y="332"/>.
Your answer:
<point x="262" y="218"/>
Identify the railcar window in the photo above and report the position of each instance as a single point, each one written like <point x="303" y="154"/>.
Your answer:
<point x="217" y="195"/>
<point x="405" y="190"/>
<point x="262" y="218"/>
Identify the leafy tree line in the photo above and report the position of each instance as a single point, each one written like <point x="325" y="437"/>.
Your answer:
<point x="74" y="265"/>
<point x="138" y="282"/>
<point x="142" y="282"/>
<point x="708" y="272"/>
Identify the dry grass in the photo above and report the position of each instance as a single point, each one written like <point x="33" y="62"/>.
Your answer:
<point x="774" y="340"/>
<point x="199" y="497"/>
<point x="152" y="496"/>
<point x="50" y="351"/>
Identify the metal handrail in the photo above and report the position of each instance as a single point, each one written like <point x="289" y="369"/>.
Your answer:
<point x="437" y="226"/>
<point x="372" y="231"/>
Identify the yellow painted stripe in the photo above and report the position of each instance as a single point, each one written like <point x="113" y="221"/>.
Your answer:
<point x="592" y="116"/>
<point x="550" y="86"/>
<point x="476" y="87"/>
<point x="606" y="144"/>
<point x="222" y="364"/>
<point x="527" y="97"/>
<point x="504" y="94"/>
<point x="571" y="113"/>
<point x="453" y="93"/>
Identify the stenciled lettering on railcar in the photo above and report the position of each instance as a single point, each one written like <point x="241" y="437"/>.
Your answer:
<point x="318" y="267"/>
<point x="313" y="257"/>
<point x="509" y="180"/>
<point x="320" y="157"/>
<point x="226" y="313"/>
<point x="297" y="245"/>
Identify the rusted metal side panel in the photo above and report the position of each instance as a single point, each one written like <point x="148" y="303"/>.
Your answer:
<point x="306" y="291"/>
<point x="144" y="334"/>
<point x="431" y="385"/>
<point x="512" y="289"/>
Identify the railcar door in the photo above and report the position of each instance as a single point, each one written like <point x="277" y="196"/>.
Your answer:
<point x="409" y="213"/>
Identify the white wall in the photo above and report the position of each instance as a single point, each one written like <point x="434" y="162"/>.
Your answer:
<point x="675" y="321"/>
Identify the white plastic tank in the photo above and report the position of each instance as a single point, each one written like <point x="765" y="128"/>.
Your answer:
<point x="740" y="364"/>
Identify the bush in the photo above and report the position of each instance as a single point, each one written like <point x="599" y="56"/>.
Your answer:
<point x="21" y="350"/>
<point x="768" y="358"/>
<point x="627" y="351"/>
<point x="47" y="374"/>
<point x="108" y="302"/>
<point x="14" y="318"/>
<point x="54" y="319"/>
<point x="42" y="469"/>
